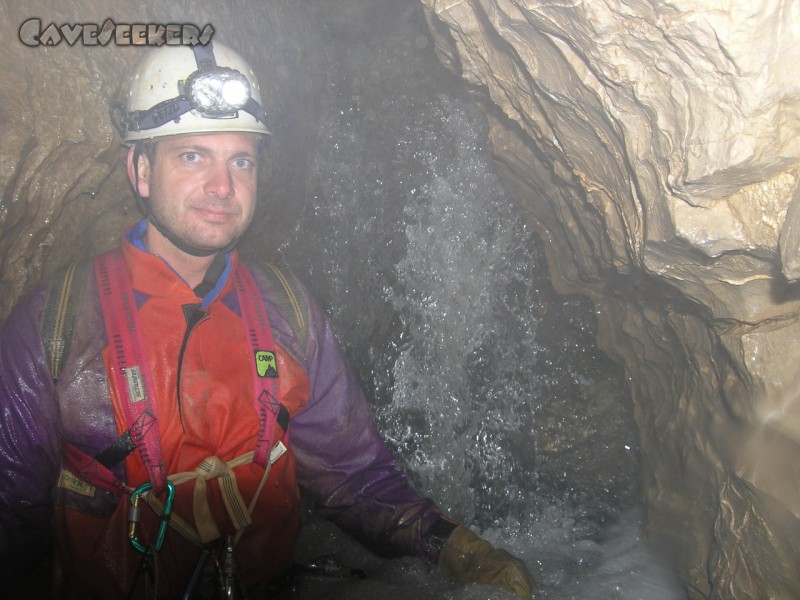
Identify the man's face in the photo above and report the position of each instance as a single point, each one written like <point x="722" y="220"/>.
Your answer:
<point x="203" y="187"/>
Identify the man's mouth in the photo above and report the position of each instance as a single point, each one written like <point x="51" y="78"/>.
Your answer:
<point x="214" y="215"/>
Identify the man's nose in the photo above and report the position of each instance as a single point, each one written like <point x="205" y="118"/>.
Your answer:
<point x="219" y="181"/>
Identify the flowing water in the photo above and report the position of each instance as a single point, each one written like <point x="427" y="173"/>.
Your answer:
<point x="486" y="384"/>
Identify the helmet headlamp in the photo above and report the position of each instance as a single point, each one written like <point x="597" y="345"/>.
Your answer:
<point x="217" y="92"/>
<point x="211" y="92"/>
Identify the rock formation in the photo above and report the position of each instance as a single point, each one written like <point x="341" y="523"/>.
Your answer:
<point x="656" y="146"/>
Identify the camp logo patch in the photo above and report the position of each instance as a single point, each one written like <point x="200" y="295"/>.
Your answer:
<point x="265" y="364"/>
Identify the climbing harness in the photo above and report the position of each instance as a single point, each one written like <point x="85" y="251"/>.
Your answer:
<point x="130" y="370"/>
<point x="64" y="296"/>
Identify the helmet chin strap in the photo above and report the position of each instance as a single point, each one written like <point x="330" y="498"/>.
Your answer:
<point x="177" y="242"/>
<point x="144" y="206"/>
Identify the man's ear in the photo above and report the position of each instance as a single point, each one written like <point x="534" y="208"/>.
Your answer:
<point x="139" y="177"/>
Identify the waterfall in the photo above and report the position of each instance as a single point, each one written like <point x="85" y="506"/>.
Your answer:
<point x="486" y="384"/>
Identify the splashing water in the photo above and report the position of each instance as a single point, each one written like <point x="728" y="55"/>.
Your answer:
<point x="486" y="384"/>
<point x="460" y="394"/>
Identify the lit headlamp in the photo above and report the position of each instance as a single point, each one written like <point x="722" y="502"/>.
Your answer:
<point x="217" y="92"/>
<point x="213" y="92"/>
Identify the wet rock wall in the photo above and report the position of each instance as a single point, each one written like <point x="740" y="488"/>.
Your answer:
<point x="664" y="137"/>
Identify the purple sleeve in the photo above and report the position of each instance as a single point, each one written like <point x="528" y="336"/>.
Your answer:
<point x="29" y="441"/>
<point x="344" y="463"/>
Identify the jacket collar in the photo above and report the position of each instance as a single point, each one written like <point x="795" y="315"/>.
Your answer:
<point x="153" y="276"/>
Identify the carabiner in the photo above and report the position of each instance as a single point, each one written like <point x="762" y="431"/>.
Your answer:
<point x="134" y="513"/>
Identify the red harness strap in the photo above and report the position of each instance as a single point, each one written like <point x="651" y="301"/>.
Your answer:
<point x="129" y="365"/>
<point x="89" y="469"/>
<point x="131" y="370"/>
<point x="263" y="361"/>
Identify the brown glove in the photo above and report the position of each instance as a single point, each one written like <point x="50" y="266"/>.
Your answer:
<point x="467" y="558"/>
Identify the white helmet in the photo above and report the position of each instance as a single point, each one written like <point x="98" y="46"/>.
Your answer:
<point x="178" y="90"/>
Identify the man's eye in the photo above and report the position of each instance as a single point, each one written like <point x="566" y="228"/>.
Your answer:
<point x="190" y="156"/>
<point x="243" y="163"/>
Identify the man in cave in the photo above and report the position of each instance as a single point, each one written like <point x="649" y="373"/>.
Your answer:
<point x="160" y="405"/>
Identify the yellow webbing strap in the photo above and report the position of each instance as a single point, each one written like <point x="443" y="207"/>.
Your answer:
<point x="64" y="294"/>
<point x="205" y="529"/>
<point x="291" y="299"/>
<point x="214" y="468"/>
